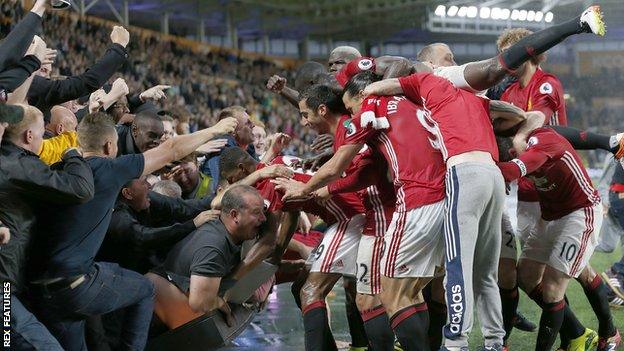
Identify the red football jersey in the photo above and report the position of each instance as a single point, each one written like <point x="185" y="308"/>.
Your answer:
<point x="544" y="93"/>
<point x="337" y="208"/>
<point x="354" y="67"/>
<point x="557" y="171"/>
<point x="396" y="127"/>
<point x="460" y="120"/>
<point x="378" y="195"/>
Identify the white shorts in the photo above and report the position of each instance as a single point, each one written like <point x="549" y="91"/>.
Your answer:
<point x="529" y="214"/>
<point x="414" y="243"/>
<point x="369" y="264"/>
<point x="337" y="252"/>
<point x="508" y="244"/>
<point x="566" y="244"/>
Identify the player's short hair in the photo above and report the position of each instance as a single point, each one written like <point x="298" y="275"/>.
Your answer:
<point x="513" y="35"/>
<point x="166" y="118"/>
<point x="94" y="129"/>
<point x="319" y="94"/>
<point x="425" y="53"/>
<point x="359" y="81"/>
<point x="168" y="188"/>
<point x="308" y="74"/>
<point x="231" y="111"/>
<point x="180" y="113"/>
<point x="30" y="116"/>
<point x="230" y="158"/>
<point x="146" y="118"/>
<point x="233" y="199"/>
<point x="348" y="52"/>
<point x="504" y="145"/>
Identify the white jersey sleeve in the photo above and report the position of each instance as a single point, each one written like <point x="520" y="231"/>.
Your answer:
<point x="455" y="75"/>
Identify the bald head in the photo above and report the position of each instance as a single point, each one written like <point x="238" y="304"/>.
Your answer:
<point x="62" y="120"/>
<point x="28" y="133"/>
<point x="340" y="56"/>
<point x="438" y="54"/>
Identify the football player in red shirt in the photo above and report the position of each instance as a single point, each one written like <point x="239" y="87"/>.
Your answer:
<point x="423" y="192"/>
<point x="414" y="246"/>
<point x="440" y="55"/>
<point x="460" y="125"/>
<point x="536" y="90"/>
<point x="565" y="237"/>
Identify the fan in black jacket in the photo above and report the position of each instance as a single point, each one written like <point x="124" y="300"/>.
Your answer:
<point x="45" y="93"/>
<point x="145" y="225"/>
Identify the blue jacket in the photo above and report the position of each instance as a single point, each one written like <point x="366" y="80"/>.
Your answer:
<point x="211" y="165"/>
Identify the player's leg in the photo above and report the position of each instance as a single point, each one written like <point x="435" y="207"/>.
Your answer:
<point x="407" y="310"/>
<point x="376" y="322"/>
<point x="584" y="140"/>
<point x="434" y="296"/>
<point x="536" y="253"/>
<point x="597" y="294"/>
<point x="484" y="74"/>
<point x="464" y="204"/>
<point x="554" y="284"/>
<point x="354" y="318"/>
<point x="333" y="258"/>
<point x="487" y="257"/>
<point x="413" y="250"/>
<point x="574" y="242"/>
<point x="508" y="288"/>
<point x="507" y="277"/>
<point x="318" y="335"/>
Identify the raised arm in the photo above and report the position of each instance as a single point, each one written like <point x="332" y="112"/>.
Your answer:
<point x="182" y="145"/>
<point x="15" y="44"/>
<point x="393" y="66"/>
<point x="384" y="87"/>
<point x="278" y="85"/>
<point x="46" y="92"/>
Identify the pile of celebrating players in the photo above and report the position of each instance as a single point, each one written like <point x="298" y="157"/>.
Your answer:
<point x="119" y="224"/>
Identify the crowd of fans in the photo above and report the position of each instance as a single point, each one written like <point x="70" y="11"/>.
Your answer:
<point x="88" y="123"/>
<point x="203" y="83"/>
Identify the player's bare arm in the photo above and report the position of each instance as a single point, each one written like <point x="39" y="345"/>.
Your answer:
<point x="384" y="87"/>
<point x="278" y="85"/>
<point x="331" y="170"/>
<point x="534" y="120"/>
<point x="392" y="66"/>
<point x="505" y="116"/>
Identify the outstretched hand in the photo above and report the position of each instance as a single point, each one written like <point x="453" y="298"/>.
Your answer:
<point x="215" y="145"/>
<point x="155" y="93"/>
<point x="322" y="142"/>
<point x="292" y="189"/>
